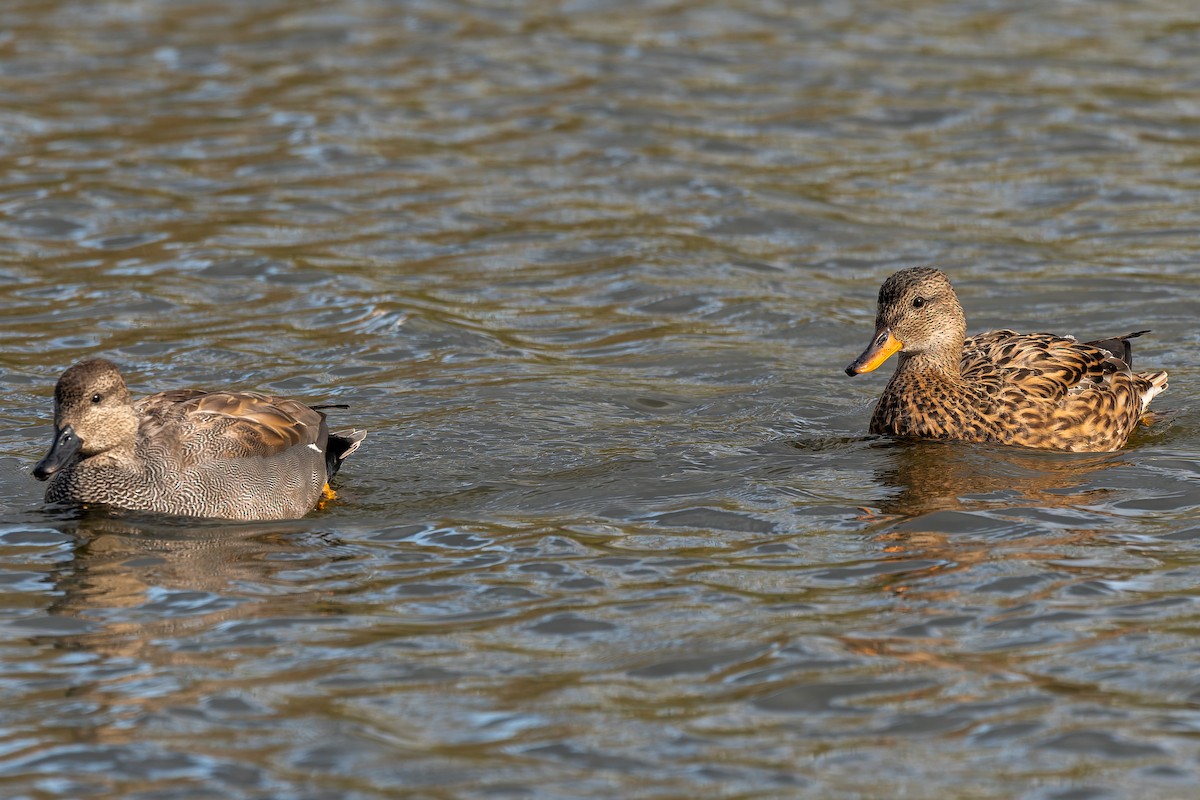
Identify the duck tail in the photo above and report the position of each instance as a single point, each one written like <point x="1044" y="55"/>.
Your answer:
<point x="1119" y="346"/>
<point x="341" y="444"/>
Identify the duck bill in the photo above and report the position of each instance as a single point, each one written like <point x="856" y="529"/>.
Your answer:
<point x="880" y="350"/>
<point x="66" y="446"/>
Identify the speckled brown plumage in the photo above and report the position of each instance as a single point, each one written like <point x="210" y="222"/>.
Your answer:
<point x="230" y="455"/>
<point x="1034" y="389"/>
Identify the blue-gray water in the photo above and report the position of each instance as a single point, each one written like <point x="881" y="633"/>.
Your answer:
<point x="589" y="273"/>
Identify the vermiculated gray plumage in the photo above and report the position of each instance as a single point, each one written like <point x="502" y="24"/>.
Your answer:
<point x="229" y="455"/>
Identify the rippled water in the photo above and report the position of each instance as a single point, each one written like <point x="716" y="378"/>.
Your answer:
<point x="589" y="272"/>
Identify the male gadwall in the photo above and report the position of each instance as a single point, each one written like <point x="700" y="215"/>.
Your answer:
<point x="1033" y="389"/>
<point x="229" y="455"/>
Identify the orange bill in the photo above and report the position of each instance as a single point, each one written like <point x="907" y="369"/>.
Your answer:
<point x="881" y="349"/>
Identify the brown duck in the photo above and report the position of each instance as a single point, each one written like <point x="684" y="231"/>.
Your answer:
<point x="1032" y="389"/>
<point x="230" y="455"/>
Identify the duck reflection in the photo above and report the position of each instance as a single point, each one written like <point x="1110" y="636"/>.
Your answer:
<point x="952" y="476"/>
<point x="954" y="506"/>
<point x="149" y="591"/>
<point x="148" y="576"/>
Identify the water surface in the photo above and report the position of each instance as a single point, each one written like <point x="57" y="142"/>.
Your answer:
<point x="589" y="273"/>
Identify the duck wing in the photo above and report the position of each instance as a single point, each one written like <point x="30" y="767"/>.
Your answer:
<point x="253" y="424"/>
<point x="1031" y="367"/>
<point x="230" y="424"/>
<point x="158" y="412"/>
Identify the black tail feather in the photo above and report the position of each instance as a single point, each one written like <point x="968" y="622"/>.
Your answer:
<point x="1119" y="346"/>
<point x="341" y="444"/>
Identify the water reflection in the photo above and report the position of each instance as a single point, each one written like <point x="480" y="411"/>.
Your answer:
<point x="576" y="267"/>
<point x="142" y="578"/>
<point x="951" y="476"/>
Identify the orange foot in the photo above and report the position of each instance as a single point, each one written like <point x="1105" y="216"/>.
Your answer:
<point x="328" y="495"/>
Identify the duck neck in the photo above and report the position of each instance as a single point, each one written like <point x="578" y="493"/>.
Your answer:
<point x="945" y="363"/>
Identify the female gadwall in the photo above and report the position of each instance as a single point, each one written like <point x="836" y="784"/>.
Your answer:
<point x="1033" y="389"/>
<point x="231" y="455"/>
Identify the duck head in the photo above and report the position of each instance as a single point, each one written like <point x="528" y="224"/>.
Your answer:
<point x="918" y="314"/>
<point x="92" y="414"/>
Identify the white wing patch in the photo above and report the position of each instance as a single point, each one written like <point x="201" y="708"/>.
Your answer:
<point x="314" y="447"/>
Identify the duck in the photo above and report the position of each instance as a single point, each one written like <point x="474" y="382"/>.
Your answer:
<point x="1035" y="390"/>
<point x="235" y="455"/>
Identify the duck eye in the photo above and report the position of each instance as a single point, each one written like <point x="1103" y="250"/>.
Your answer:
<point x="96" y="398"/>
<point x="917" y="303"/>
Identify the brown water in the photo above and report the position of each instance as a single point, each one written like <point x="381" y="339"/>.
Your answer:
<point x="589" y="272"/>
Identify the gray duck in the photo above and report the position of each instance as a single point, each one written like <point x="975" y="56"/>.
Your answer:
<point x="229" y="455"/>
